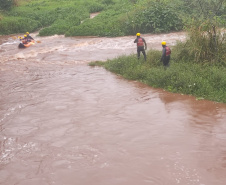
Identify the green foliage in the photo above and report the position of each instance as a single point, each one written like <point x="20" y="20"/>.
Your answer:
<point x="6" y="4"/>
<point x="94" y="6"/>
<point x="9" y="25"/>
<point x="117" y="17"/>
<point x="126" y="19"/>
<point x="108" y="2"/>
<point x="67" y="18"/>
<point x="206" y="43"/>
<point x="105" y="24"/>
<point x="202" y="10"/>
<point x="208" y="82"/>
<point x="57" y="16"/>
<point x="157" y="17"/>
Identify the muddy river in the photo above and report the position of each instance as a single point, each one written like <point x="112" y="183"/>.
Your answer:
<point x="65" y="123"/>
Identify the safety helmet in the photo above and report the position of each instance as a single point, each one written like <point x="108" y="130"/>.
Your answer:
<point x="138" y="34"/>
<point x="163" y="43"/>
<point x="27" y="33"/>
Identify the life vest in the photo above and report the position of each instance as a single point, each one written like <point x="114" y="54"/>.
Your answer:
<point x="24" y="40"/>
<point x="168" y="51"/>
<point x="140" y="42"/>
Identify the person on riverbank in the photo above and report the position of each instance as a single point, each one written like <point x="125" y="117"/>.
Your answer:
<point x="141" y="46"/>
<point x="165" y="54"/>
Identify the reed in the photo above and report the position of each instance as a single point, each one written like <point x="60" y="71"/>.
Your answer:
<point x="206" y="44"/>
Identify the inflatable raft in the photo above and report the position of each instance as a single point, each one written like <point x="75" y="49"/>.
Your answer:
<point x="21" y="45"/>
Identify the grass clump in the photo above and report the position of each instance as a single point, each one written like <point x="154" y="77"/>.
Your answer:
<point x="185" y="77"/>
<point x="10" y="25"/>
<point x="153" y="17"/>
<point x="51" y="16"/>
<point x="206" y="44"/>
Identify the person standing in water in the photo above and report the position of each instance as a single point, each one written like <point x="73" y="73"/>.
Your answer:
<point x="141" y="46"/>
<point x="165" y="54"/>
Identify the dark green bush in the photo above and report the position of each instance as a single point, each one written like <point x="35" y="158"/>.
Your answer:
<point x="108" y="2"/>
<point x="61" y="26"/>
<point x="10" y="25"/>
<point x="157" y="17"/>
<point x="105" y="24"/>
<point x="6" y="4"/>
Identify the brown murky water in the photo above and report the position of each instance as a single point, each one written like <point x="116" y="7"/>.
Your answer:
<point x="65" y="123"/>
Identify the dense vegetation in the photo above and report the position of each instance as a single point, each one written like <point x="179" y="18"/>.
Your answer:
<point x="117" y="17"/>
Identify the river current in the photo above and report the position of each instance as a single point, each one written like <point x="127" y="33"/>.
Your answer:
<point x="63" y="122"/>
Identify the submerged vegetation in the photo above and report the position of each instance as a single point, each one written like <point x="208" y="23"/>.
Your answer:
<point x="198" y="66"/>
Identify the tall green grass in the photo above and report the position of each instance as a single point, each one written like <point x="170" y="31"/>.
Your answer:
<point x="127" y="18"/>
<point x="117" y="17"/>
<point x="206" y="44"/>
<point x="52" y="16"/>
<point x="10" y="25"/>
<point x="185" y="77"/>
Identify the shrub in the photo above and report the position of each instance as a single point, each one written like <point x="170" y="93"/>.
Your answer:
<point x="105" y="24"/>
<point x="10" y="25"/>
<point x="205" y="44"/>
<point x="157" y="17"/>
<point x="107" y="2"/>
<point x="6" y="4"/>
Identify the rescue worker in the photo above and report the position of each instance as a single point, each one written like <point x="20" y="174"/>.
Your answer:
<point x="141" y="46"/>
<point x="165" y="54"/>
<point x="28" y="36"/>
<point x="25" y="39"/>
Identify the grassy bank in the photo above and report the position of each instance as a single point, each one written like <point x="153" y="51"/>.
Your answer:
<point x="197" y="67"/>
<point x="202" y="81"/>
<point x="51" y="16"/>
<point x="117" y="17"/>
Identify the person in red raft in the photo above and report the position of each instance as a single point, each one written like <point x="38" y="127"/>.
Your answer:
<point x="165" y="54"/>
<point x="141" y="46"/>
